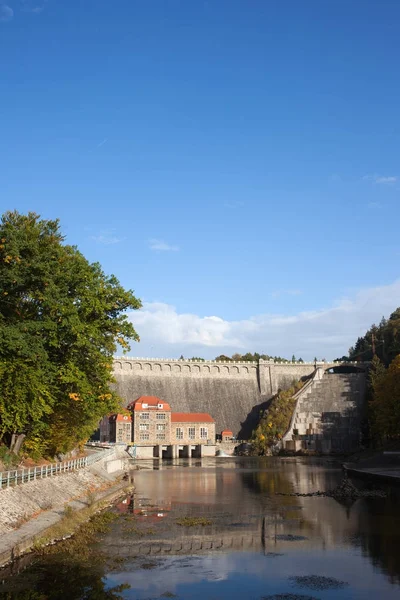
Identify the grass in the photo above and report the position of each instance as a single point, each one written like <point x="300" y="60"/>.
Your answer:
<point x="77" y="533"/>
<point x="9" y="459"/>
<point x="193" y="521"/>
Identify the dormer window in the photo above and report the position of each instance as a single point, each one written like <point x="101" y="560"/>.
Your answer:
<point x="145" y="405"/>
<point x="161" y="406"/>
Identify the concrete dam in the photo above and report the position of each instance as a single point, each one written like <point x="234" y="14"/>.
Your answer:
<point x="233" y="393"/>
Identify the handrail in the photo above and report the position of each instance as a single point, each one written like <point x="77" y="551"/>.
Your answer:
<point x="20" y="476"/>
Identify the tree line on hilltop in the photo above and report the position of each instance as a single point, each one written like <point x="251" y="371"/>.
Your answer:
<point x="248" y="357"/>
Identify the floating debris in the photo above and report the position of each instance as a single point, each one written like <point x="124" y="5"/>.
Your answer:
<point x="288" y="537"/>
<point x="193" y="521"/>
<point x="288" y="597"/>
<point x="344" y="491"/>
<point x="318" y="582"/>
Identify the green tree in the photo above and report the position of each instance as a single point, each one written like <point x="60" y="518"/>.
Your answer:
<point x="386" y="401"/>
<point x="61" y="320"/>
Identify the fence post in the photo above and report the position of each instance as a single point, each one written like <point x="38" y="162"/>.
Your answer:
<point x="22" y="475"/>
<point x="8" y="479"/>
<point x="41" y="472"/>
<point x="34" y="473"/>
<point x="29" y="474"/>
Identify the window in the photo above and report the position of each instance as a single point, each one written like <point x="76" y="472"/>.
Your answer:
<point x="160" y="405"/>
<point x="161" y="427"/>
<point x="144" y="426"/>
<point x="203" y="433"/>
<point x="160" y="416"/>
<point x="144" y="436"/>
<point x="192" y="433"/>
<point x="145" y="416"/>
<point x="160" y="436"/>
<point x="179" y="433"/>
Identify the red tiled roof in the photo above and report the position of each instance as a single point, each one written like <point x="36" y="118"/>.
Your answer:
<point x="227" y="432"/>
<point x="191" y="418"/>
<point x="119" y="417"/>
<point x="151" y="401"/>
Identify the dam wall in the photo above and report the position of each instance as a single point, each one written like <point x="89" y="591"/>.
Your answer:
<point x="232" y="392"/>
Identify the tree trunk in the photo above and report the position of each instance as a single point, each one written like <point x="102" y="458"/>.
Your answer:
<point x="17" y="439"/>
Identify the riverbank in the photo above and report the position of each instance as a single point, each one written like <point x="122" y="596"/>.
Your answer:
<point x="32" y="513"/>
<point x="380" y="467"/>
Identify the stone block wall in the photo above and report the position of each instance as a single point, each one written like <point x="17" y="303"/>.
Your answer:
<point x="197" y="439"/>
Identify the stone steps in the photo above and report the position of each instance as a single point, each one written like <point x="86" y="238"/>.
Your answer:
<point x="331" y="411"/>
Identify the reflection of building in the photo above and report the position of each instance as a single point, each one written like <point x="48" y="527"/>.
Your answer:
<point x="120" y="429"/>
<point x="154" y="425"/>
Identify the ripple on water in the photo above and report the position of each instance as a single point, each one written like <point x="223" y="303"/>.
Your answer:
<point x="318" y="582"/>
<point x="289" y="597"/>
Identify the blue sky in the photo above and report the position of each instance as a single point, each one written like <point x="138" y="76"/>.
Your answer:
<point x="232" y="159"/>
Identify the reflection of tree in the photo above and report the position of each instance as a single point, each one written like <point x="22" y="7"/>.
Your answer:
<point x="266" y="483"/>
<point x="58" y="577"/>
<point x="380" y="535"/>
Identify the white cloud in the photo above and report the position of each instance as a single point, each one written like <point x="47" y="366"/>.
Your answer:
<point x="327" y="332"/>
<point x="32" y="7"/>
<point x="6" y="12"/>
<point x="278" y="293"/>
<point x="235" y="204"/>
<point x="106" y="237"/>
<point x="162" y="246"/>
<point x="381" y="179"/>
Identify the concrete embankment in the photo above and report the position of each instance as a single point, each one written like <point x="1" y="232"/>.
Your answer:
<point x="383" y="467"/>
<point x="29" y="512"/>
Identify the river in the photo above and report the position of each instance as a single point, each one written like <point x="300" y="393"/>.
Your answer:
<point x="218" y="529"/>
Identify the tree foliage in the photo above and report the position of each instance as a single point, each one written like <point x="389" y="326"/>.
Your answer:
<point x="383" y="378"/>
<point x="385" y="337"/>
<point x="249" y="357"/>
<point x="61" y="320"/>
<point x="385" y="402"/>
<point x="275" y="420"/>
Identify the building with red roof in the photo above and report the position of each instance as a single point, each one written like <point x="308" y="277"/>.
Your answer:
<point x="120" y="428"/>
<point x="226" y="435"/>
<point x="154" y="424"/>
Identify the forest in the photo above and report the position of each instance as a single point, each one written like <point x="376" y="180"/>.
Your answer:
<point x="381" y="346"/>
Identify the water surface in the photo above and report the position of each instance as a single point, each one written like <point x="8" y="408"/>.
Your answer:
<point x="255" y="543"/>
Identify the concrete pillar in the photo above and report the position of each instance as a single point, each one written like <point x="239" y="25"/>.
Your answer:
<point x="186" y="452"/>
<point x="175" y="451"/>
<point x="265" y="378"/>
<point x="198" y="451"/>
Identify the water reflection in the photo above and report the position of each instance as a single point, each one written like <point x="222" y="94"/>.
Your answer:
<point x="60" y="577"/>
<point x="253" y="542"/>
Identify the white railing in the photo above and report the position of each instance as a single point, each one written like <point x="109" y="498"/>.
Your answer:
<point x="19" y="476"/>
